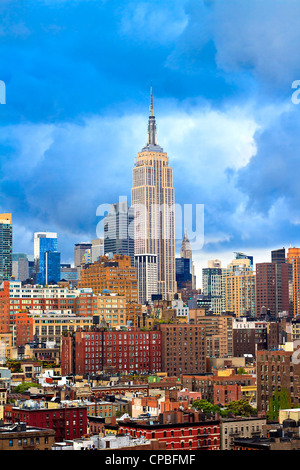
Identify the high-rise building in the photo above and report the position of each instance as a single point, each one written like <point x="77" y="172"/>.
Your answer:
<point x="293" y="257"/>
<point x="20" y="266"/>
<point x="185" y="249"/>
<point x="119" y="230"/>
<point x="265" y="289"/>
<point x="46" y="258"/>
<point x="184" y="274"/>
<point x="52" y="267"/>
<point x="80" y="250"/>
<point x="238" y="287"/>
<point x="185" y="271"/>
<point x="146" y="271"/>
<point x="97" y="249"/>
<point x="153" y="200"/>
<point x="212" y="284"/>
<point x="241" y="256"/>
<point x="5" y="247"/>
<point x="283" y="271"/>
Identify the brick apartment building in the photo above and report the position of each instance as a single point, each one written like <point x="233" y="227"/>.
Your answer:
<point x="183" y="349"/>
<point x="209" y="384"/>
<point x="68" y="422"/>
<point x="89" y="351"/>
<point x="249" y="336"/>
<point x="179" y="430"/>
<point x="218" y="332"/>
<point x="276" y="370"/>
<point x="265" y="288"/>
<point x="224" y="394"/>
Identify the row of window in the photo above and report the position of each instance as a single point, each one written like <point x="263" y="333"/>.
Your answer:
<point x="31" y="441"/>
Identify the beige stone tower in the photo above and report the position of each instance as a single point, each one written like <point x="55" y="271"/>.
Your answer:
<point x="152" y="197"/>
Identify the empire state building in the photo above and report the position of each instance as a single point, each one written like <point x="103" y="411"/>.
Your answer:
<point x="152" y="196"/>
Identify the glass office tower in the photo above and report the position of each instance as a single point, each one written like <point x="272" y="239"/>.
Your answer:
<point x="47" y="266"/>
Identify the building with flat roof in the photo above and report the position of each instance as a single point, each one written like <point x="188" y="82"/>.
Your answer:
<point x="20" y="436"/>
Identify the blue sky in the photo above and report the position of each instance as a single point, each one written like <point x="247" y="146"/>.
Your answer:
<point x="78" y="74"/>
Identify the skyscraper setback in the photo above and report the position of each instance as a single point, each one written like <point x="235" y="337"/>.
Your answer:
<point x="153" y="199"/>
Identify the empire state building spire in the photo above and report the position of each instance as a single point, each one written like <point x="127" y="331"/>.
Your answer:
<point x="152" y="143"/>
<point x="153" y="199"/>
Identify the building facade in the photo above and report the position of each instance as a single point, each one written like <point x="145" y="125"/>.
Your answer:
<point x="46" y="258"/>
<point x="116" y="351"/>
<point x="80" y="250"/>
<point x="116" y="275"/>
<point x="283" y="272"/>
<point x="183" y="349"/>
<point x="146" y="270"/>
<point x="276" y="371"/>
<point x="265" y="289"/>
<point x="212" y="284"/>
<point x="69" y="422"/>
<point x="20" y="266"/>
<point x="178" y="430"/>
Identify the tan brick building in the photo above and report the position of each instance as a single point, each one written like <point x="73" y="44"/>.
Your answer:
<point x="116" y="275"/>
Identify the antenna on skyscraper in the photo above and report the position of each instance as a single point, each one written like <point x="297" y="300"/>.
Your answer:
<point x="151" y="104"/>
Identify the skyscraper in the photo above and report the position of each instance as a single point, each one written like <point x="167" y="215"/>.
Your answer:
<point x="265" y="288"/>
<point x="20" y="266"/>
<point x="185" y="271"/>
<point x="80" y="250"/>
<point x="283" y="271"/>
<point x="293" y="257"/>
<point x="97" y="248"/>
<point x="212" y="284"/>
<point x="152" y="197"/>
<point x="185" y="249"/>
<point x="238" y="287"/>
<point x="52" y="267"/>
<point x="47" y="266"/>
<point x="146" y="271"/>
<point x="118" y="230"/>
<point x="5" y="247"/>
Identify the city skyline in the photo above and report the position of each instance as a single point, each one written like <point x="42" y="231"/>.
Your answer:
<point x="224" y="113"/>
